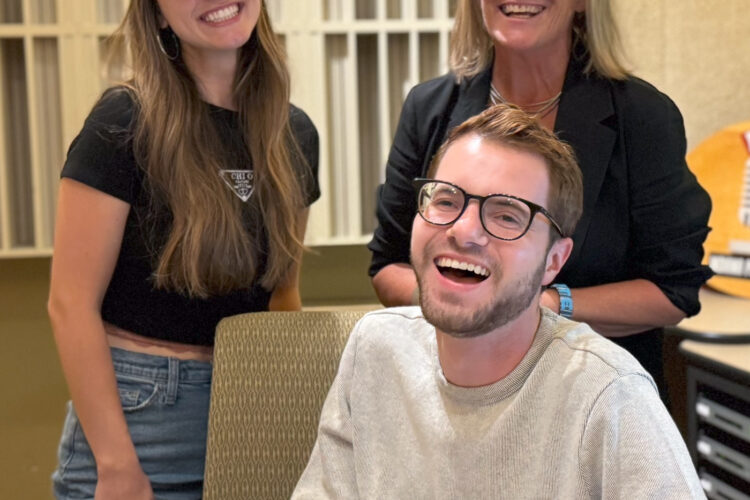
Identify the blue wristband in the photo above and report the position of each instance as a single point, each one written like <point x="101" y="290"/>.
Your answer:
<point x="566" y="300"/>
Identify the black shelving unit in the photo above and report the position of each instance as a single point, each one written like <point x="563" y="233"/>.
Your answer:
<point x="718" y="402"/>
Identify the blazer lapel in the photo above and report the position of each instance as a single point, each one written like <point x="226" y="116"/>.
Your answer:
<point x="473" y="96"/>
<point x="585" y="120"/>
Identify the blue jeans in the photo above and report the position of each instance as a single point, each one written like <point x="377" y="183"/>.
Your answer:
<point x="165" y="401"/>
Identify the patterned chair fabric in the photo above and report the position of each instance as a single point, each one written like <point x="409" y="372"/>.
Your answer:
<point x="271" y="374"/>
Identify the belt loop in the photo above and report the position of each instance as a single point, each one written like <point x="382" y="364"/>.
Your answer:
<point x="173" y="379"/>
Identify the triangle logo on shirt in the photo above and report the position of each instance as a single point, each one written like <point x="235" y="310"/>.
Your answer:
<point x="240" y="182"/>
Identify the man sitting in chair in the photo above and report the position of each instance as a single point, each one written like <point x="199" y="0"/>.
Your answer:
<point x="480" y="393"/>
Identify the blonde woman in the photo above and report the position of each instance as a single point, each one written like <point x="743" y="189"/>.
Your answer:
<point x="636" y="262"/>
<point x="183" y="200"/>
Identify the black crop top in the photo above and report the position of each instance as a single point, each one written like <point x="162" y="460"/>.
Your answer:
<point x="101" y="156"/>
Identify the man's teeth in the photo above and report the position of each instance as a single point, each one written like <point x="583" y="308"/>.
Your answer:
<point x="523" y="9"/>
<point x="463" y="266"/>
<point x="220" y="15"/>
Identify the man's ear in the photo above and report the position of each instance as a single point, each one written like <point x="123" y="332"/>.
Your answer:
<point x="557" y="255"/>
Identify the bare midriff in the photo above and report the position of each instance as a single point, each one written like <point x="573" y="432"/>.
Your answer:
<point x="124" y="339"/>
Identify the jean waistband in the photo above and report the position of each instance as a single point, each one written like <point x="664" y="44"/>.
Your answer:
<point x="160" y="368"/>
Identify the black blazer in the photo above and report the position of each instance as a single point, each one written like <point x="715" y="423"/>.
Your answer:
<point x="644" y="213"/>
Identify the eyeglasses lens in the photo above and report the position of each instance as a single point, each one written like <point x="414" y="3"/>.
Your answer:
<point x="440" y="203"/>
<point x="503" y="217"/>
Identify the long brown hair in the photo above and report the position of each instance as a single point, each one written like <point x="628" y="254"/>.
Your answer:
<point x="208" y="250"/>
<point x="595" y="30"/>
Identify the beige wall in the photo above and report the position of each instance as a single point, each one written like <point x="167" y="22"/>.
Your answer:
<point x="32" y="388"/>
<point x="695" y="51"/>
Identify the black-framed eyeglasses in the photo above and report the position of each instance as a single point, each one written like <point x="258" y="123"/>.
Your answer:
<point x="503" y="216"/>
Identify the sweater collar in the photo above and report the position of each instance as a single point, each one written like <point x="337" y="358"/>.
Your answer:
<point x="511" y="383"/>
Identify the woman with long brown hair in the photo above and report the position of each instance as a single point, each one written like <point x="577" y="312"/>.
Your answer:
<point x="183" y="200"/>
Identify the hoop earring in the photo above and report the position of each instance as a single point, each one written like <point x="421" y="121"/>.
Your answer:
<point x="168" y="43"/>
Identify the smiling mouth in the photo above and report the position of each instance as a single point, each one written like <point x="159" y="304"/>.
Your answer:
<point x="460" y="271"/>
<point x="221" y="15"/>
<point x="520" y="10"/>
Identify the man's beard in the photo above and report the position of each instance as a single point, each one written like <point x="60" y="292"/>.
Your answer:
<point x="507" y="306"/>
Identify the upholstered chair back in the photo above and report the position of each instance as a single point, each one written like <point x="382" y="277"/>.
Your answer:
<point x="272" y="372"/>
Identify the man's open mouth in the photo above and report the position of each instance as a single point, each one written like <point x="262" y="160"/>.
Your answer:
<point x="461" y="271"/>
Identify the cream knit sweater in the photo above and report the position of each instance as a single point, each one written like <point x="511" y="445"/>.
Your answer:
<point x="577" y="418"/>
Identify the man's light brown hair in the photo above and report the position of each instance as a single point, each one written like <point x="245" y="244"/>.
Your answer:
<point x="509" y="126"/>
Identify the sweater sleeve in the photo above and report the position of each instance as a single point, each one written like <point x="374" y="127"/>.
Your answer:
<point x="669" y="210"/>
<point x="330" y="472"/>
<point x="631" y="448"/>
<point x="396" y="199"/>
<point x="307" y="139"/>
<point x="101" y="156"/>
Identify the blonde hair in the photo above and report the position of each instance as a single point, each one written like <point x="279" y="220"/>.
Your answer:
<point x="508" y="125"/>
<point x="209" y="250"/>
<point x="594" y="30"/>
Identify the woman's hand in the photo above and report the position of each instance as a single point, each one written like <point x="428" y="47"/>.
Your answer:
<point x="123" y="484"/>
<point x="619" y="309"/>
